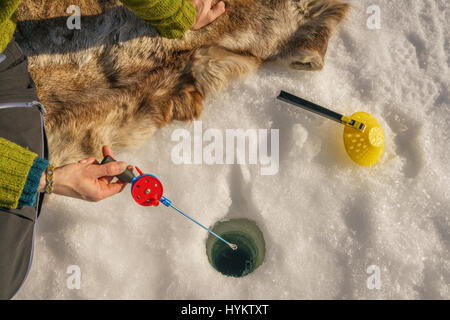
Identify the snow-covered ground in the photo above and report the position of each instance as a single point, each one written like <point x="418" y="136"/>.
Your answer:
<point x="325" y="219"/>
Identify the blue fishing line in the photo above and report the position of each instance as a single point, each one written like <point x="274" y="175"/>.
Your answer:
<point x="168" y="203"/>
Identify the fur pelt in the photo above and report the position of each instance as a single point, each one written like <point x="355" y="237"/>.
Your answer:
<point x="115" y="81"/>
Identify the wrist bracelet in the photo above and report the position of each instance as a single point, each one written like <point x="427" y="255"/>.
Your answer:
<point x="49" y="178"/>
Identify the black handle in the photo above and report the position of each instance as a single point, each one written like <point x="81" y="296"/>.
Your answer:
<point x="308" y="105"/>
<point x="126" y="176"/>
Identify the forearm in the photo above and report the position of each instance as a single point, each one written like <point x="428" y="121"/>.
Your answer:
<point x="20" y="175"/>
<point x="42" y="183"/>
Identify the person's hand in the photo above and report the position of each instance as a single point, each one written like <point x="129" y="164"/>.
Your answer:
<point x="205" y="13"/>
<point x="87" y="179"/>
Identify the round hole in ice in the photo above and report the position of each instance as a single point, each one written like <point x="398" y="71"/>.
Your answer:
<point x="251" y="247"/>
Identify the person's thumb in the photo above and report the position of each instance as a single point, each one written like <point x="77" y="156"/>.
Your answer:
<point x="216" y="11"/>
<point x="110" y="169"/>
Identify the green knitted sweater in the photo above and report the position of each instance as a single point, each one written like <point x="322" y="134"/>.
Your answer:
<point x="172" y="18"/>
<point x="16" y="164"/>
<point x="7" y="21"/>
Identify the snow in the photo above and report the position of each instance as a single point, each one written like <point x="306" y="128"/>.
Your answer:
<point x="325" y="220"/>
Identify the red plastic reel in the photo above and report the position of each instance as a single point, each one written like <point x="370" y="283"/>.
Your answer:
<point x="147" y="190"/>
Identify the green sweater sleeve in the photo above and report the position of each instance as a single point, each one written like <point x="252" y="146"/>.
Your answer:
<point x="20" y="169"/>
<point x="7" y="21"/>
<point x="172" y="18"/>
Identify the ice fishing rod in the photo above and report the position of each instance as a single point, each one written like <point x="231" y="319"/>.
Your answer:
<point x="363" y="136"/>
<point x="147" y="190"/>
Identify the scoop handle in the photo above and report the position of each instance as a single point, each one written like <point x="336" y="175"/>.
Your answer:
<point x="126" y="176"/>
<point x="308" y="105"/>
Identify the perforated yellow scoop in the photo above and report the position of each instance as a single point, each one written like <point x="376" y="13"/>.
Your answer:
<point x="363" y="136"/>
<point x="364" y="147"/>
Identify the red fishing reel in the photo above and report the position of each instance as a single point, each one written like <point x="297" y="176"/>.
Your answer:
<point x="146" y="189"/>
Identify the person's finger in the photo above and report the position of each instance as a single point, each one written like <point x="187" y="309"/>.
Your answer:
<point x="207" y="5"/>
<point x="111" y="189"/>
<point x="110" y="169"/>
<point x="216" y="11"/>
<point x="89" y="160"/>
<point x="108" y="179"/>
<point x="106" y="150"/>
<point x="123" y="185"/>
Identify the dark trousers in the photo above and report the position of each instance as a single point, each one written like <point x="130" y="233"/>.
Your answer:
<point x="21" y="122"/>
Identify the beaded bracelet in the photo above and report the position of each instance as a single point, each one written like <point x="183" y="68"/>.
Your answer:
<point x="49" y="178"/>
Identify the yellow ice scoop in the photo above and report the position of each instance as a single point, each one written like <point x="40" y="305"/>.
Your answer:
<point x="363" y="136"/>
